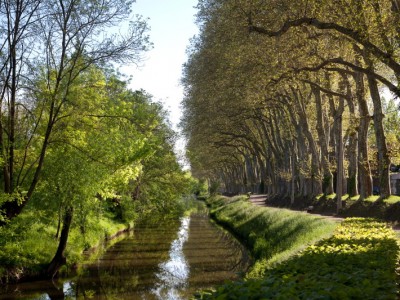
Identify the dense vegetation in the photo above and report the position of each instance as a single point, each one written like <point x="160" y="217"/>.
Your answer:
<point x="82" y="155"/>
<point x="295" y="99"/>
<point x="357" y="262"/>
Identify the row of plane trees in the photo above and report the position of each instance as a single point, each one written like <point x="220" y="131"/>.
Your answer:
<point x="294" y="99"/>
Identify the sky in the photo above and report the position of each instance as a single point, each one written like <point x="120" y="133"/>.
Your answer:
<point x="171" y="27"/>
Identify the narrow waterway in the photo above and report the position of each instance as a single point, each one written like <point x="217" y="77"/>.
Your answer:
<point x="160" y="259"/>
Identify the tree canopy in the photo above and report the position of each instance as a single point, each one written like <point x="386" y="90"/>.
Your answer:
<point x="288" y="98"/>
<point x="76" y="144"/>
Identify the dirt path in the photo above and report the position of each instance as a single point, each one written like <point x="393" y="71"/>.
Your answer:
<point x="260" y="200"/>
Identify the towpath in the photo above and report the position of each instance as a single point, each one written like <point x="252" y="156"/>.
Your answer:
<point x="260" y="200"/>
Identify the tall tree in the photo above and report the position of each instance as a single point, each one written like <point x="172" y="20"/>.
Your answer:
<point x="67" y="36"/>
<point x="290" y="84"/>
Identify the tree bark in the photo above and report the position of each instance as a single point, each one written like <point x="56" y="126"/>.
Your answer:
<point x="352" y="154"/>
<point x="315" y="182"/>
<point x="59" y="258"/>
<point x="340" y="154"/>
<point x="383" y="154"/>
<point x="293" y="160"/>
<point x="327" y="181"/>
<point x="352" y="137"/>
<point x="364" y="168"/>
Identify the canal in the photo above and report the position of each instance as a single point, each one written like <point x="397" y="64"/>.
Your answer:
<point x="159" y="259"/>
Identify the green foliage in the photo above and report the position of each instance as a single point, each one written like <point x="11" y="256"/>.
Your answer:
<point x="392" y="127"/>
<point x="28" y="243"/>
<point x="357" y="262"/>
<point x="116" y="148"/>
<point x="200" y="187"/>
<point x="214" y="186"/>
<point x="75" y="137"/>
<point x="371" y="198"/>
<point x="264" y="83"/>
<point x="5" y="197"/>
<point x="98" y="229"/>
<point x="128" y="211"/>
<point x="110" y="159"/>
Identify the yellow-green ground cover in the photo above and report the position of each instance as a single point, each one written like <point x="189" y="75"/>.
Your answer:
<point x="357" y="262"/>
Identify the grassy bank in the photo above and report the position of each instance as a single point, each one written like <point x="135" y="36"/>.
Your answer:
<point x="272" y="235"/>
<point x="28" y="244"/>
<point x="357" y="262"/>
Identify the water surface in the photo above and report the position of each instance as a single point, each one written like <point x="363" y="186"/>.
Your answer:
<point x="159" y="259"/>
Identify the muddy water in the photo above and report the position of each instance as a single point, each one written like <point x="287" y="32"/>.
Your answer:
<point x="158" y="260"/>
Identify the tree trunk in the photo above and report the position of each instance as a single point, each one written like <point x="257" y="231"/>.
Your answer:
<point x="302" y="159"/>
<point x="315" y="184"/>
<point x="337" y="144"/>
<point x="293" y="169"/>
<point x="352" y="154"/>
<point x="327" y="182"/>
<point x="339" y="180"/>
<point x="352" y="136"/>
<point x="364" y="169"/>
<point x="14" y="208"/>
<point x="59" y="258"/>
<point x="59" y="222"/>
<point x="340" y="154"/>
<point x="383" y="155"/>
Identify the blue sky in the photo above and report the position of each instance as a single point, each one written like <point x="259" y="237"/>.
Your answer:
<point x="172" y="26"/>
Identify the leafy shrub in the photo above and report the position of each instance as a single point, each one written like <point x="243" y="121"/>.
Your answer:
<point x="26" y="244"/>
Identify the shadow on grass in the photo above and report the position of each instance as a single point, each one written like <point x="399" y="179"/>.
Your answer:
<point x="268" y="231"/>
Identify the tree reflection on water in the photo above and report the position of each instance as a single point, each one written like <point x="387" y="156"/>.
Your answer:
<point x="159" y="259"/>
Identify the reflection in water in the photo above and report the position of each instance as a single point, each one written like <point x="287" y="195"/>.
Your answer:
<point x="152" y="262"/>
<point x="174" y="273"/>
<point x="213" y="255"/>
<point x="128" y="269"/>
<point x="68" y="289"/>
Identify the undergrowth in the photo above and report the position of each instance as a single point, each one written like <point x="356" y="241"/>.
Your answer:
<point x="28" y="244"/>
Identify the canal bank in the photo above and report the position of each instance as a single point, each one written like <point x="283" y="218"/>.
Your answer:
<point x="356" y="259"/>
<point x="159" y="259"/>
